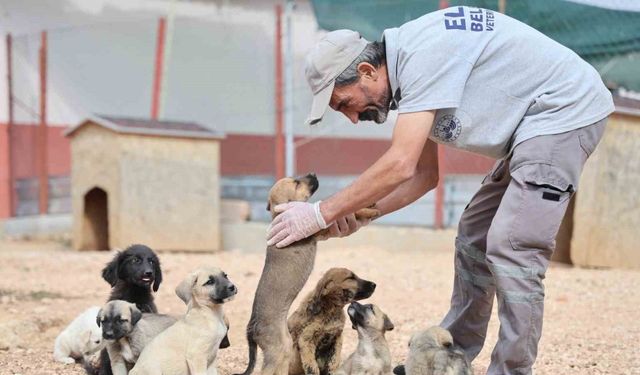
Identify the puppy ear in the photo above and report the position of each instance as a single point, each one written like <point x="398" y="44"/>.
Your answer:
<point x="136" y="315"/>
<point x="322" y="289"/>
<point x="98" y="317"/>
<point x="184" y="290"/>
<point x="388" y="326"/>
<point x="225" y="343"/>
<point x="110" y="271"/>
<point x="399" y="370"/>
<point x="158" y="272"/>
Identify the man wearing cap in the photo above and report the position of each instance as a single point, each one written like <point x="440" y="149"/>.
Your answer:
<point x="483" y="82"/>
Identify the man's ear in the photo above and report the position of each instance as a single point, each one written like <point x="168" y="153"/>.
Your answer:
<point x="366" y="70"/>
<point x="269" y="206"/>
<point x="185" y="289"/>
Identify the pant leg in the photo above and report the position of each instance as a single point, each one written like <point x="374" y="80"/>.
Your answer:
<point x="474" y="289"/>
<point x="545" y="172"/>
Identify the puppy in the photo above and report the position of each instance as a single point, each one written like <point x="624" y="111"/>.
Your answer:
<point x="285" y="272"/>
<point x="316" y="326"/>
<point x="190" y="346"/>
<point x="127" y="331"/>
<point x="80" y="339"/>
<point x="372" y="357"/>
<point x="131" y="274"/>
<point x="431" y="352"/>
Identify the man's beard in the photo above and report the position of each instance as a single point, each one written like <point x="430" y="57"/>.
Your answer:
<point x="379" y="113"/>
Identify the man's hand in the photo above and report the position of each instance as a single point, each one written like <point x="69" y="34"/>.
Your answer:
<point x="343" y="227"/>
<point x="297" y="220"/>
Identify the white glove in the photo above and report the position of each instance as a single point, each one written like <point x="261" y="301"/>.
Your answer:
<point x="345" y="226"/>
<point x="297" y="220"/>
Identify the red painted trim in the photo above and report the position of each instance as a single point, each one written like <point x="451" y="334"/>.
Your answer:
<point x="279" y="134"/>
<point x="43" y="175"/>
<point x="157" y="74"/>
<point x="7" y="193"/>
<point x="444" y="4"/>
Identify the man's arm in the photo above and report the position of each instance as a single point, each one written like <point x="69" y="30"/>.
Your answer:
<point x="299" y="220"/>
<point x="395" y="167"/>
<point x="424" y="180"/>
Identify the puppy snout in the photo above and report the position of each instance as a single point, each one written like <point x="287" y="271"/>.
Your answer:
<point x="232" y="288"/>
<point x="108" y="335"/>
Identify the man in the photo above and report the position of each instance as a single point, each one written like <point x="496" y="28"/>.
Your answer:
<point x="480" y="81"/>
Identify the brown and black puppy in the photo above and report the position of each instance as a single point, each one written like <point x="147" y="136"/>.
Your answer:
<point x="316" y="326"/>
<point x="285" y="272"/>
<point x="372" y="356"/>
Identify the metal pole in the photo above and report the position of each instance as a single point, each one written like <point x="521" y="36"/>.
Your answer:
<point x="288" y="77"/>
<point x="43" y="176"/>
<point x="502" y="6"/>
<point x="279" y="136"/>
<point x="10" y="125"/>
<point x="157" y="74"/>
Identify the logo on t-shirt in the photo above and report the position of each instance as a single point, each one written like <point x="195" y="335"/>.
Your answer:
<point x="448" y="128"/>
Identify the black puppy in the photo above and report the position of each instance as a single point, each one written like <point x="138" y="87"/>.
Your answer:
<point x="131" y="274"/>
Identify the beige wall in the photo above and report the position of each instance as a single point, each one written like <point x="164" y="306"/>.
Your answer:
<point x="93" y="164"/>
<point x="162" y="192"/>
<point x="170" y="192"/>
<point x="607" y="213"/>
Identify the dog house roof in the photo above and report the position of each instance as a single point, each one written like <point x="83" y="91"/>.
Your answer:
<point x="149" y="127"/>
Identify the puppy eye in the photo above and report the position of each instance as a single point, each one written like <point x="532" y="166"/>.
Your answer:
<point x="97" y="342"/>
<point x="135" y="260"/>
<point x="225" y="275"/>
<point x="210" y="282"/>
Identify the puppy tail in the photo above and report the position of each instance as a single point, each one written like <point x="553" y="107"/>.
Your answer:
<point x="253" y="347"/>
<point x="399" y="370"/>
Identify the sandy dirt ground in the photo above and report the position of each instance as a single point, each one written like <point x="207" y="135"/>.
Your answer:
<point x="591" y="323"/>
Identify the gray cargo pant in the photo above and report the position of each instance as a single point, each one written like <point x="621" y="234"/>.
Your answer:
<point x="505" y="239"/>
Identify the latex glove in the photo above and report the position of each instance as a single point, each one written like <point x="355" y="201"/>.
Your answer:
<point x="345" y="226"/>
<point x="297" y="220"/>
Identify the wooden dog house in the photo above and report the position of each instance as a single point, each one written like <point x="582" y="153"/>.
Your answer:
<point x="141" y="181"/>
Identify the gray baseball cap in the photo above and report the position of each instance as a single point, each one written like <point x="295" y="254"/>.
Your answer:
<point x="325" y="62"/>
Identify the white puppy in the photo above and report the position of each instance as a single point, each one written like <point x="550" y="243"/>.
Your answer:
<point x="80" y="339"/>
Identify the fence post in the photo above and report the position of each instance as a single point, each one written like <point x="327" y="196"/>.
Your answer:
<point x="157" y="74"/>
<point x="43" y="176"/>
<point x="6" y="165"/>
<point x="279" y="136"/>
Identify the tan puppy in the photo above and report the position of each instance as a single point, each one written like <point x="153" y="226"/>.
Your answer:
<point x="190" y="346"/>
<point x="372" y="357"/>
<point x="126" y="331"/>
<point x="431" y="352"/>
<point x="316" y="326"/>
<point x="285" y="272"/>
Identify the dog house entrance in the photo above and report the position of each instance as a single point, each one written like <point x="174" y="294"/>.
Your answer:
<point x="95" y="226"/>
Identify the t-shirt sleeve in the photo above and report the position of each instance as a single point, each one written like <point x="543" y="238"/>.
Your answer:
<point x="431" y="80"/>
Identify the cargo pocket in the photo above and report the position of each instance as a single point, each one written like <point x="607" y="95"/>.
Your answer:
<point x="544" y="197"/>
<point x="496" y="173"/>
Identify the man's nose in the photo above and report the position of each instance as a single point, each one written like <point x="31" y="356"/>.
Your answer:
<point x="352" y="116"/>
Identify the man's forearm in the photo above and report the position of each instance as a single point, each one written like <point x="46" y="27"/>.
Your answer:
<point x="408" y="192"/>
<point x="375" y="183"/>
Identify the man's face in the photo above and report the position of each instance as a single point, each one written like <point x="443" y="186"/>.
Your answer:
<point x="367" y="99"/>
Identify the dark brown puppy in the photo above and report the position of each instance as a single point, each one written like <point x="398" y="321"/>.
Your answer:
<point x="316" y="326"/>
<point x="285" y="272"/>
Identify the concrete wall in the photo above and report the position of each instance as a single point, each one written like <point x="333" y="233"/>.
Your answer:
<point x="170" y="192"/>
<point x="607" y="212"/>
<point x="94" y="153"/>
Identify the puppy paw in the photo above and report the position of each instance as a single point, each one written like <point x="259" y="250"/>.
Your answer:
<point x="68" y="361"/>
<point x="368" y="213"/>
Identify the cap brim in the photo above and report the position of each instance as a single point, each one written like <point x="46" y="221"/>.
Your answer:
<point x="320" y="103"/>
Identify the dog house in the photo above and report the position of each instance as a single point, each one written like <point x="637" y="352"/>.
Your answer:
<point x="142" y="181"/>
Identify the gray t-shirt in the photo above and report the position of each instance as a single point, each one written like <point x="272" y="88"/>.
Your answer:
<point x="494" y="81"/>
